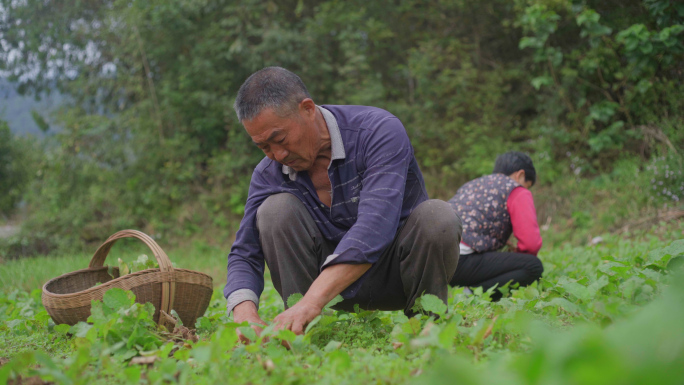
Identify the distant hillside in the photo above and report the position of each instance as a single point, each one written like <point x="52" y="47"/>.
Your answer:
<point x="16" y="109"/>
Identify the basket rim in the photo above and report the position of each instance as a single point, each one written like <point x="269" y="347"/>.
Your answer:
<point x="45" y="291"/>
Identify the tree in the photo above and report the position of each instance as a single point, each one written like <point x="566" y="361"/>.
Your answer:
<point x="14" y="170"/>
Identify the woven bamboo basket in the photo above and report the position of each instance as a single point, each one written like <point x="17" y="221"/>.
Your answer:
<point x="68" y="297"/>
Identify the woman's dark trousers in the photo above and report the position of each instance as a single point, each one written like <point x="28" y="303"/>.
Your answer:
<point x="496" y="268"/>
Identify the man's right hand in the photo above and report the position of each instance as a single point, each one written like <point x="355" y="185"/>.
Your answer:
<point x="247" y="311"/>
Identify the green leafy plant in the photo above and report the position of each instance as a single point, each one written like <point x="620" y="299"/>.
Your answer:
<point x="143" y="262"/>
<point x="593" y="302"/>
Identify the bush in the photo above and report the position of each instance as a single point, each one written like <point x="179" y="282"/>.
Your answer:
<point x="15" y="169"/>
<point x="150" y="140"/>
<point x="667" y="179"/>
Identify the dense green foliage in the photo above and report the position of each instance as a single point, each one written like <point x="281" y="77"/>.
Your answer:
<point x="150" y="140"/>
<point x="16" y="155"/>
<point x="606" y="314"/>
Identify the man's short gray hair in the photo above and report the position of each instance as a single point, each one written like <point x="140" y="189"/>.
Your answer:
<point x="271" y="87"/>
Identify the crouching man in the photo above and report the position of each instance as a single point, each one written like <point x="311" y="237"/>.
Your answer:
<point x="337" y="206"/>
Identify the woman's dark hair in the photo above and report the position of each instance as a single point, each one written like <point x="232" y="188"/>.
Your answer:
<point x="513" y="161"/>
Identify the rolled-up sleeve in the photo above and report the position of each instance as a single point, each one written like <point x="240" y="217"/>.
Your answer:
<point x="524" y="221"/>
<point x="386" y="155"/>
<point x="245" y="280"/>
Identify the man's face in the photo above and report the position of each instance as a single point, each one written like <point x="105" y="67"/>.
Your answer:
<point x="292" y="140"/>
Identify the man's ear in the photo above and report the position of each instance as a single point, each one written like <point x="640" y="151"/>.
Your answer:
<point x="307" y="108"/>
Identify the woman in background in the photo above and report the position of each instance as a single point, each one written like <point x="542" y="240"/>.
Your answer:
<point x="492" y="208"/>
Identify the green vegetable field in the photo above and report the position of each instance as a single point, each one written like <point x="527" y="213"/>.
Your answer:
<point x="611" y="313"/>
<point x="120" y="114"/>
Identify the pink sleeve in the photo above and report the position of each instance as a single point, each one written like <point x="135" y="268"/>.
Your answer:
<point x="524" y="220"/>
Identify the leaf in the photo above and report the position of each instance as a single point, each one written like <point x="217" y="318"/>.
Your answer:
<point x="116" y="298"/>
<point x="286" y="335"/>
<point x="411" y="327"/>
<point x="448" y="335"/>
<point x="123" y="268"/>
<point x="338" y="298"/>
<point x="661" y="257"/>
<point x="340" y="360"/>
<point x="6" y="370"/>
<point x="182" y="354"/>
<point x="574" y="288"/>
<point x="80" y="329"/>
<point x="40" y="121"/>
<point x="630" y="286"/>
<point x="248" y="332"/>
<point x="312" y="324"/>
<point x="612" y="268"/>
<point x="540" y="81"/>
<point x="42" y="317"/>
<point x="62" y="329"/>
<point x="293" y="299"/>
<point x="142" y="259"/>
<point x="327" y="320"/>
<point x="587" y="16"/>
<point x="597" y="285"/>
<point x="168" y="347"/>
<point x="676" y="263"/>
<point x="530" y="292"/>
<point x="646" y="48"/>
<point x="203" y="324"/>
<point x="561" y="303"/>
<point x="126" y="354"/>
<point x="650" y="275"/>
<point x="201" y="354"/>
<point x="96" y="313"/>
<point x="484" y="331"/>
<point x="531" y="42"/>
<point x="110" y="271"/>
<point x="132" y="374"/>
<point x="432" y="304"/>
<point x="332" y="345"/>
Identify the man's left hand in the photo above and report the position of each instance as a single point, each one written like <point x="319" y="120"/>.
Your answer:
<point x="297" y="317"/>
<point x="330" y="283"/>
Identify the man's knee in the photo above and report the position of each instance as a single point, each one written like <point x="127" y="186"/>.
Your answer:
<point x="438" y="234"/>
<point x="438" y="223"/>
<point x="277" y="211"/>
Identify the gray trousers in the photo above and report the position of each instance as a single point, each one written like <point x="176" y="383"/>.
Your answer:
<point x="421" y="259"/>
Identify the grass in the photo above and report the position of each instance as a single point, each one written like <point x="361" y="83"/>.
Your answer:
<point x="31" y="273"/>
<point x="602" y="314"/>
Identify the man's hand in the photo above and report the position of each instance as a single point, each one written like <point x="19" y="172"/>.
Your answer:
<point x="247" y="311"/>
<point x="297" y="317"/>
<point x="330" y="283"/>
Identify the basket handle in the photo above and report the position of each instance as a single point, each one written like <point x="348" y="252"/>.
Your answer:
<point x="168" y="288"/>
<point x="102" y="252"/>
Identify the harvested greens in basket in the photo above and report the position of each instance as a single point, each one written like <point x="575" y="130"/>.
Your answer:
<point x="142" y="263"/>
